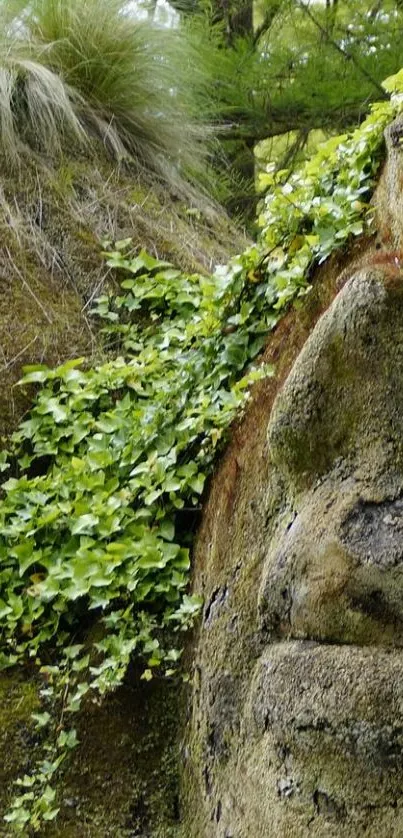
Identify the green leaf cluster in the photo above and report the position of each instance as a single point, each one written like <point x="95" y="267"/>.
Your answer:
<point x="104" y="476"/>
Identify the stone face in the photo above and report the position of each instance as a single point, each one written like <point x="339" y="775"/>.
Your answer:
<point x="297" y="716"/>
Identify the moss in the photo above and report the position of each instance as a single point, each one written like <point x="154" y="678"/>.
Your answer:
<point x="18" y="699"/>
<point x="40" y="322"/>
<point x="123" y="778"/>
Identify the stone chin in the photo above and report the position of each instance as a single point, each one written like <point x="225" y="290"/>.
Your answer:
<point x="322" y="750"/>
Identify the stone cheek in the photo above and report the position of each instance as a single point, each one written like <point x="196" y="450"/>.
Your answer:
<point x="342" y="403"/>
<point x="314" y="735"/>
<point x="336" y="573"/>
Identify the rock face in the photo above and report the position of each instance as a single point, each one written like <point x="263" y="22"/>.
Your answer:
<point x="297" y="715"/>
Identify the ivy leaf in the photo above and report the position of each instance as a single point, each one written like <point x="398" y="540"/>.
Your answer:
<point x="67" y="739"/>
<point x="41" y="719"/>
<point x="166" y="529"/>
<point x="147" y="675"/>
<point x="35" y="374"/>
<point x="51" y="814"/>
<point x="197" y="483"/>
<point x="5" y="609"/>
<point x="84" y="524"/>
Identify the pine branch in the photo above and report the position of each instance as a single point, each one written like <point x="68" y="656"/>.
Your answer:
<point x="269" y="18"/>
<point x="346" y="53"/>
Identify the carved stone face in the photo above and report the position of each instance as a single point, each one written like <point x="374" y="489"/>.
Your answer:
<point x="314" y="746"/>
<point x="334" y="567"/>
<point x="328" y="693"/>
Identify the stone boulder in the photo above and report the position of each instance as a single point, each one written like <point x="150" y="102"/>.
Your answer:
<point x="296" y="721"/>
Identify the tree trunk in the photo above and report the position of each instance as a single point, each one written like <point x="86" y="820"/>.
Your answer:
<point x="237" y="18"/>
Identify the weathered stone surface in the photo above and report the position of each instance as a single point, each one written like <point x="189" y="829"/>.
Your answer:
<point x="297" y="717"/>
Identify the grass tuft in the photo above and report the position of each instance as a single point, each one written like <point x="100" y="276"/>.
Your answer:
<point x="75" y="70"/>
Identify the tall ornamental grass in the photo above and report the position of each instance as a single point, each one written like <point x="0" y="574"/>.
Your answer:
<point x="72" y="70"/>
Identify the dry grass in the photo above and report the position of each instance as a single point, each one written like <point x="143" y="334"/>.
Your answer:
<point x="52" y="222"/>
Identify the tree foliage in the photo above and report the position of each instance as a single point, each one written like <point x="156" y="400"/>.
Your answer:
<point x="303" y="66"/>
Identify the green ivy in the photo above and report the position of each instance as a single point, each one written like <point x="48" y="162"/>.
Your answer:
<point x="103" y="480"/>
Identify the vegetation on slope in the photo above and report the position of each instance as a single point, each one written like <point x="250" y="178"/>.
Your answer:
<point x="53" y="215"/>
<point x="104" y="476"/>
<point x="92" y="146"/>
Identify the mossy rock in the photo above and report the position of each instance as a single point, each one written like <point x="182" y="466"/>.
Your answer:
<point x="18" y="699"/>
<point x="123" y="781"/>
<point x="123" y="778"/>
<point x="295" y="719"/>
<point x="296" y="724"/>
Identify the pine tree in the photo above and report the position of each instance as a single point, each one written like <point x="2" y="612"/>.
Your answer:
<point x="283" y="68"/>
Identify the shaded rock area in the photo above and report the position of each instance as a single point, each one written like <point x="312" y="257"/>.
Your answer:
<point x="296" y="724"/>
<point x="123" y="779"/>
<point x="18" y="699"/>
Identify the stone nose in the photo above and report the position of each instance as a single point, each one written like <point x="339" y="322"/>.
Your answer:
<point x="335" y="574"/>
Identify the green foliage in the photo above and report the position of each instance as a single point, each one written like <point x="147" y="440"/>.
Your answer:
<point x="107" y="527"/>
<point x="302" y="70"/>
<point x="106" y="473"/>
<point x="74" y="69"/>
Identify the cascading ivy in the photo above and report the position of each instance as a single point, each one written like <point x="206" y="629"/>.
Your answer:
<point x="108" y="469"/>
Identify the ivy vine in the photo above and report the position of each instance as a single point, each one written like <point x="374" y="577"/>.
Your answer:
<point x="104" y="477"/>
